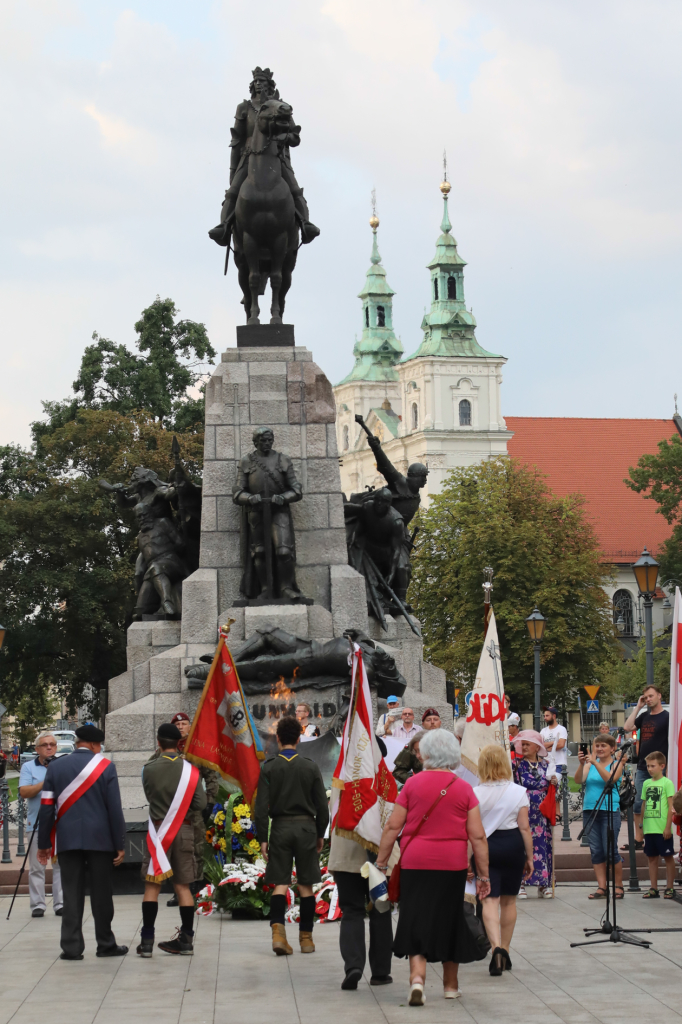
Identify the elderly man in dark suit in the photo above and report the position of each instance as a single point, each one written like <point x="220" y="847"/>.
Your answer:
<point x="81" y="818"/>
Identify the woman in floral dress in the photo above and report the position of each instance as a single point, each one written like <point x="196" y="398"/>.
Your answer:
<point x="530" y="772"/>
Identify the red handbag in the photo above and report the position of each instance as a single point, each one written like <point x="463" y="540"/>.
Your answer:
<point x="548" y="805"/>
<point x="394" y="880"/>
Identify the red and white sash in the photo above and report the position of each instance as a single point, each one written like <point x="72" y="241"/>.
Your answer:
<point x="86" y="778"/>
<point x="158" y="843"/>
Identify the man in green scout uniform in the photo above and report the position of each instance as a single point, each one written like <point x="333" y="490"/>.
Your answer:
<point x="211" y="780"/>
<point x="292" y="793"/>
<point x="162" y="778"/>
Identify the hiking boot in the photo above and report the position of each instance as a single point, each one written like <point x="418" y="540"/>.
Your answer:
<point x="181" y="943"/>
<point x="306" y="941"/>
<point x="280" y="946"/>
<point x="146" y="948"/>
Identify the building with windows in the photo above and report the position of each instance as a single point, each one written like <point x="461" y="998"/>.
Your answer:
<point x="440" y="405"/>
<point x="592" y="457"/>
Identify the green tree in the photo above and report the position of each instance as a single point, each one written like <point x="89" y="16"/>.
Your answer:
<point x="627" y="679"/>
<point x="67" y="551"/>
<point x="659" y="478"/>
<point x="543" y="551"/>
<point x="156" y="380"/>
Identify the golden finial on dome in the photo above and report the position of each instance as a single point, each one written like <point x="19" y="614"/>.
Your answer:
<point x="374" y="220"/>
<point x="445" y="185"/>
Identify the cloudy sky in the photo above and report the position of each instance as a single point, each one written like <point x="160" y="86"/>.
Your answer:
<point x="562" y="126"/>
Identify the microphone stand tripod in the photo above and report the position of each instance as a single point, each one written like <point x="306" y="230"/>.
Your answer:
<point x="611" y="929"/>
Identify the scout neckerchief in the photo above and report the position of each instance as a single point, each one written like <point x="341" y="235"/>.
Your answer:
<point x="158" y="843"/>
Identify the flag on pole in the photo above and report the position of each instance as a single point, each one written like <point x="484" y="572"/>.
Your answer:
<point x="675" y="703"/>
<point x="363" y="789"/>
<point x="223" y="735"/>
<point x="486" y="720"/>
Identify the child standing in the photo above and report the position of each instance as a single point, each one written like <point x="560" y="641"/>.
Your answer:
<point x="657" y="825"/>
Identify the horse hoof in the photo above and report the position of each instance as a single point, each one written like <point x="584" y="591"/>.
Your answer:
<point x="275" y="320"/>
<point x="252" y="320"/>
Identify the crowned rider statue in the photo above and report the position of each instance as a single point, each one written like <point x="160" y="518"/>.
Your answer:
<point x="262" y="89"/>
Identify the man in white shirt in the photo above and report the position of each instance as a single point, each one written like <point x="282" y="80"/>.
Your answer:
<point x="386" y="722"/>
<point x="405" y="729"/>
<point x="31" y="781"/>
<point x="551" y="732"/>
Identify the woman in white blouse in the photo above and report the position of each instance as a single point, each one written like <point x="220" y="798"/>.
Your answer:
<point x="504" y="813"/>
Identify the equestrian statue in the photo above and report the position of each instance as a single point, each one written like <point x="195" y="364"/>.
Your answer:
<point x="264" y="211"/>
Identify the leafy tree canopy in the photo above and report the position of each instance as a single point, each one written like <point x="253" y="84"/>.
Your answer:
<point x="156" y="380"/>
<point x="627" y="679"/>
<point x="543" y="551"/>
<point x="67" y="551"/>
<point x="659" y="477"/>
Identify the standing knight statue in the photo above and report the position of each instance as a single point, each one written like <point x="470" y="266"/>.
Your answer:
<point x="266" y="486"/>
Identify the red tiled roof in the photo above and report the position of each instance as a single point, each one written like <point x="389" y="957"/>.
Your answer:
<point x="592" y="457"/>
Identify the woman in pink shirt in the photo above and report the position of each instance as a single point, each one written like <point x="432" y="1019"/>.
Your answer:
<point x="434" y="864"/>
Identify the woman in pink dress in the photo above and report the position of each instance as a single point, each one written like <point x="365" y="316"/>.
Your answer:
<point x="434" y="864"/>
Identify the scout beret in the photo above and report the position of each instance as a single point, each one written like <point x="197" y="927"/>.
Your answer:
<point x="430" y="711"/>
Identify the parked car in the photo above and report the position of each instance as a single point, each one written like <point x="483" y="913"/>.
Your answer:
<point x="64" y="746"/>
<point x="28" y="754"/>
<point x="64" y="734"/>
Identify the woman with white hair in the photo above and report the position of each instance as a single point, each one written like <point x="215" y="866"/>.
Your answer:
<point x="438" y="814"/>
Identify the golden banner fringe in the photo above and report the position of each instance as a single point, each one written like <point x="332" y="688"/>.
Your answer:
<point x="365" y="843"/>
<point x="158" y="879"/>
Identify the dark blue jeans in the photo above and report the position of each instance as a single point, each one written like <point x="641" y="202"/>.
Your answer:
<point x="597" y="837"/>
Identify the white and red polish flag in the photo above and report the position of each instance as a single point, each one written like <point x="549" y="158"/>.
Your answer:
<point x="158" y="843"/>
<point x="486" y="719"/>
<point x="675" y="703"/>
<point x="363" y="789"/>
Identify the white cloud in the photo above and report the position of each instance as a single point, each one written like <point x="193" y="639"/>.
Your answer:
<point x="561" y="123"/>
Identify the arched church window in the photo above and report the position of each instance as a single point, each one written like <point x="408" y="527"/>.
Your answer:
<point x="346" y="442"/>
<point x="366" y="316"/>
<point x="465" y="413"/>
<point x="381" y="316"/>
<point x="415" y="416"/>
<point x="452" y="288"/>
<point x="622" y="612"/>
<point x="435" y="288"/>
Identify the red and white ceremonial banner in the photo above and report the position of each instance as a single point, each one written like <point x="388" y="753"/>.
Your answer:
<point x="486" y="718"/>
<point x="158" y="843"/>
<point x="675" y="703"/>
<point x="75" y="789"/>
<point x="363" y="789"/>
<point x="223" y="735"/>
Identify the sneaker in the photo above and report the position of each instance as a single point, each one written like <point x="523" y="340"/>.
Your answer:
<point x="416" y="996"/>
<point x="181" y="943"/>
<point x="146" y="948"/>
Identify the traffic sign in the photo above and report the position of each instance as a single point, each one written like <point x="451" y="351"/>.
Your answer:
<point x="592" y="707"/>
<point x="592" y="691"/>
<point x="467" y="698"/>
<point x="456" y="710"/>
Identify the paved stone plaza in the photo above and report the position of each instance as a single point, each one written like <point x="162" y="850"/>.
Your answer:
<point x="234" y="977"/>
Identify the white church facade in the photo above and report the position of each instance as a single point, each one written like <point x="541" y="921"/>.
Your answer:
<point x="439" y="405"/>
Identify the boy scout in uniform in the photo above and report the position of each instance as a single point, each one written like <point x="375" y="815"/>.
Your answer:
<point x="291" y="792"/>
<point x="161" y="779"/>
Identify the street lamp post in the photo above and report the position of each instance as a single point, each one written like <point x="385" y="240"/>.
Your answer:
<point x="646" y="573"/>
<point x="536" y="628"/>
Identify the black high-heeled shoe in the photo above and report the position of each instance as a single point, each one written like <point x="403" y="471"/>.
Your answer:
<point x="507" y="965"/>
<point x="497" y="962"/>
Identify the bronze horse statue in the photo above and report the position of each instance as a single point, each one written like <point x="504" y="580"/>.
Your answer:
<point x="265" y="228"/>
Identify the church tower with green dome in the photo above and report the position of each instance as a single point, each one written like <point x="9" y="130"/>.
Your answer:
<point x="373" y="383"/>
<point x="449" y="327"/>
<point x="441" y="404"/>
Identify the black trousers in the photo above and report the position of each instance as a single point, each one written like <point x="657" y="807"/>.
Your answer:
<point x="353" y="896"/>
<point x="100" y="865"/>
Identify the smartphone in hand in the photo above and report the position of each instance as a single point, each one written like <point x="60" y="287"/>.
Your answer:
<point x="584" y="748"/>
